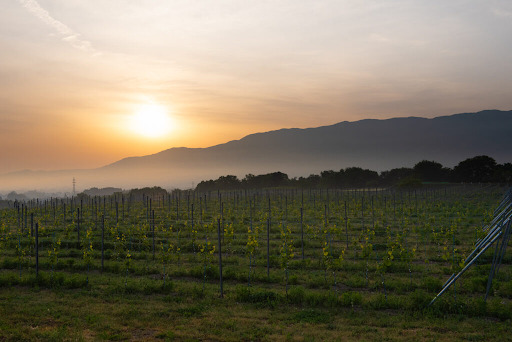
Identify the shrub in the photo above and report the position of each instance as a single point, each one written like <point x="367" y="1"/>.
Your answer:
<point x="248" y="295"/>
<point x="351" y="298"/>
<point x="296" y="294"/>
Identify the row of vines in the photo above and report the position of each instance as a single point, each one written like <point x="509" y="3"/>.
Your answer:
<point x="384" y="242"/>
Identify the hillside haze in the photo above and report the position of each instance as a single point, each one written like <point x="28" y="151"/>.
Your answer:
<point x="375" y="144"/>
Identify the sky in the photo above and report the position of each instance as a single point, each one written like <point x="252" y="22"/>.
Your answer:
<point x="76" y="76"/>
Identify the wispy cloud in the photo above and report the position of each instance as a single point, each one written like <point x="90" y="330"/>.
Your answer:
<point x="501" y="12"/>
<point x="67" y="34"/>
<point x="501" y="8"/>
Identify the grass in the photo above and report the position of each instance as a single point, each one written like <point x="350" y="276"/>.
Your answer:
<point x="41" y="314"/>
<point x="357" y="297"/>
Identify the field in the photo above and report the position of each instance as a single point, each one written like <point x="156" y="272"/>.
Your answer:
<point x="296" y="264"/>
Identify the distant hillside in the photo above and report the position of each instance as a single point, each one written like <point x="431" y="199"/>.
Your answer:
<point x="374" y="144"/>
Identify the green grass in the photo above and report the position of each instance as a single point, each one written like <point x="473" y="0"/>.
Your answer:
<point x="365" y="295"/>
<point x="42" y="314"/>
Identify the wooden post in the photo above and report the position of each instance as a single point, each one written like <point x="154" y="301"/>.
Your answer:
<point x="302" y="231"/>
<point x="346" y="223"/>
<point x="102" y="240"/>
<point x="25" y="217"/>
<point x="78" y="226"/>
<point x="268" y="248"/>
<point x="220" y="259"/>
<point x="37" y="250"/>
<point x="153" y="228"/>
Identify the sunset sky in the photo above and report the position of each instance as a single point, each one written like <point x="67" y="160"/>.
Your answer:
<point x="76" y="76"/>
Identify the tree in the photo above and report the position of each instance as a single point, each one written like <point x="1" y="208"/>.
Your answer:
<point x="331" y="179"/>
<point x="228" y="182"/>
<point x="358" y="177"/>
<point x="394" y="176"/>
<point x="13" y="196"/>
<point x="138" y="194"/>
<point x="504" y="173"/>
<point x="431" y="171"/>
<point x="269" y="180"/>
<point x="479" y="169"/>
<point x="312" y="181"/>
<point x="204" y="186"/>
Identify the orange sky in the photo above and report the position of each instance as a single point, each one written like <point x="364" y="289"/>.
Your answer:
<point x="73" y="73"/>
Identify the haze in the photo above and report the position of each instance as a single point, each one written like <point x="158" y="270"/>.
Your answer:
<point x="74" y="72"/>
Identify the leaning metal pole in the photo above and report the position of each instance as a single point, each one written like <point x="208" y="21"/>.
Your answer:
<point x="499" y="228"/>
<point x="455" y="277"/>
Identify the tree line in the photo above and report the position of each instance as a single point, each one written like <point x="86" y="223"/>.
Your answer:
<point x="479" y="169"/>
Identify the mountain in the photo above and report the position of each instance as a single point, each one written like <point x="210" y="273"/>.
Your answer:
<point x="375" y="144"/>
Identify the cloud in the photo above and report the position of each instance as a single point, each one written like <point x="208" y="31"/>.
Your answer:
<point x="500" y="12"/>
<point x="67" y="34"/>
<point x="502" y="9"/>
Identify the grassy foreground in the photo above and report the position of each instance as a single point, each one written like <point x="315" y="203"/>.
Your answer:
<point x="297" y="266"/>
<point x="183" y="312"/>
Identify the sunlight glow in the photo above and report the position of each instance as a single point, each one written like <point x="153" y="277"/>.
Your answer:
<point x="151" y="120"/>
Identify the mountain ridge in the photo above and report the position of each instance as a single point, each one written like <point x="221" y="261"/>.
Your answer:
<point x="377" y="144"/>
<point x="303" y="137"/>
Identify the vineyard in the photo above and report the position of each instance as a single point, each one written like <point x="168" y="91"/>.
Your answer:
<point x="310" y="250"/>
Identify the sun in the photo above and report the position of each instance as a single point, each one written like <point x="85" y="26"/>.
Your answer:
<point x="151" y="120"/>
